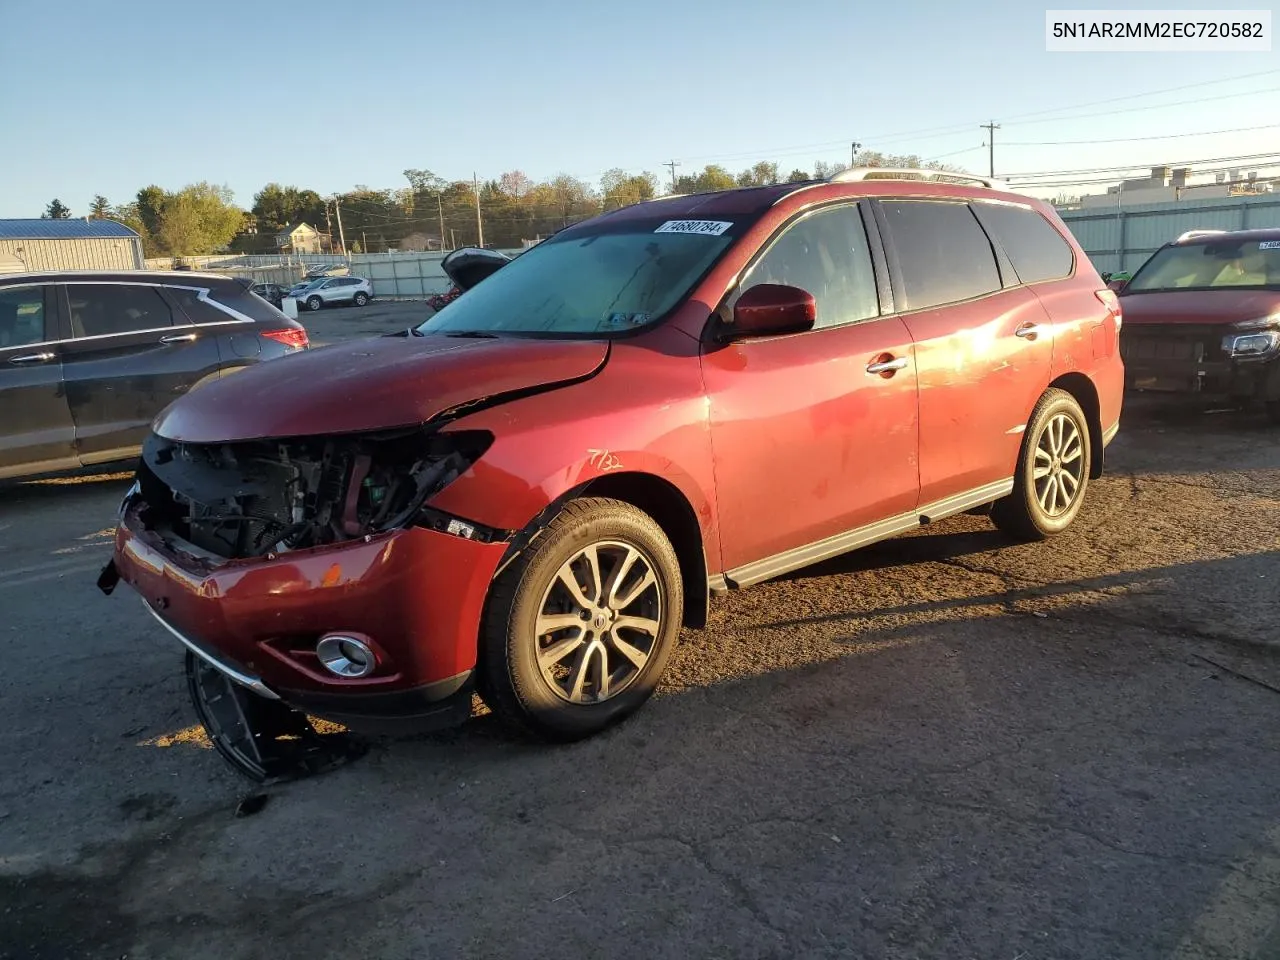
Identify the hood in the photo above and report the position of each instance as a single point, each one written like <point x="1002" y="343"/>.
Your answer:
<point x="467" y="266"/>
<point x="366" y="385"/>
<point x="1223" y="307"/>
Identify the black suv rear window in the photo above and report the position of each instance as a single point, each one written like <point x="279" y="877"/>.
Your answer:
<point x="943" y="253"/>
<point x="1037" y="250"/>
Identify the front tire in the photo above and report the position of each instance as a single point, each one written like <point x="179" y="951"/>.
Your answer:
<point x="1053" y="471"/>
<point x="314" y="303"/>
<point x="578" y="630"/>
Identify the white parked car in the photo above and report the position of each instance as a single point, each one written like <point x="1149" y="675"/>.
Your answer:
<point x="331" y="290"/>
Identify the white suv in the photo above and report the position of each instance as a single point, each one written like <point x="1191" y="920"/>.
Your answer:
<point x="327" y="290"/>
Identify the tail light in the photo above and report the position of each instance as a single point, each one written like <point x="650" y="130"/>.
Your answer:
<point x="1112" y="303"/>
<point x="290" y="337"/>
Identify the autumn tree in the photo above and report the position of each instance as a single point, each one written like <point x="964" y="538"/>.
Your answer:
<point x="276" y="206"/>
<point x="380" y="215"/>
<point x="621" y="189"/>
<point x="712" y="177"/>
<point x="760" y="175"/>
<point x="198" y="219"/>
<point x="147" y="207"/>
<point x="515" y="184"/>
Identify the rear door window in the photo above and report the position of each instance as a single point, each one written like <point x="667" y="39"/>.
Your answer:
<point x="826" y="254"/>
<point x="943" y="254"/>
<point x="22" y="316"/>
<point x="101" y="309"/>
<point x="1038" y="251"/>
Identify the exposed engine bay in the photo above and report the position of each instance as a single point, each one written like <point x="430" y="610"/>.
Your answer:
<point x="249" y="499"/>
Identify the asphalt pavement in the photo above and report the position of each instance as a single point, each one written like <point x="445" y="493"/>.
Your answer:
<point x="943" y="746"/>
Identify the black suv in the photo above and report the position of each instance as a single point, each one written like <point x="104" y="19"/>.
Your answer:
<point x="88" y="359"/>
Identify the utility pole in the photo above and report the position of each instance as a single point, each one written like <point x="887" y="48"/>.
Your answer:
<point x="342" y="239"/>
<point x="364" y="243"/>
<point x="672" y="164"/>
<point x="479" y="226"/>
<point x="328" y="225"/>
<point x="991" y="129"/>
<point x="853" y="157"/>
<point x="440" y="210"/>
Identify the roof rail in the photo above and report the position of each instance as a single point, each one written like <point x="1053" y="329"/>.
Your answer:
<point x="892" y="173"/>
<point x="1192" y="234"/>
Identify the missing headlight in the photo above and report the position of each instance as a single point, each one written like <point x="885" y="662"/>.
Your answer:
<point x="268" y="496"/>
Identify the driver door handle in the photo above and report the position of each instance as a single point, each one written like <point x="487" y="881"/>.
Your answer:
<point x="1029" y="331"/>
<point x="178" y="338"/>
<point x="887" y="366"/>
<point x="32" y="358"/>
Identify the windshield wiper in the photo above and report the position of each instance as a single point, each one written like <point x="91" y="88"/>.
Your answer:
<point x="476" y="334"/>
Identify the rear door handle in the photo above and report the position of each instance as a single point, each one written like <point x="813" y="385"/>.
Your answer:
<point x="33" y="358"/>
<point x="887" y="366"/>
<point x="179" y="338"/>
<point x="1029" y="331"/>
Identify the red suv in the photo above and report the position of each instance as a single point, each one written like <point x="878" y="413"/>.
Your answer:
<point x="1203" y="319"/>
<point x="529" y="494"/>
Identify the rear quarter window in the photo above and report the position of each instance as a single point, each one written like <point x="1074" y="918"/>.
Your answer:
<point x="943" y="254"/>
<point x="233" y="296"/>
<point x="1036" y="249"/>
<point x="250" y="304"/>
<point x="195" y="310"/>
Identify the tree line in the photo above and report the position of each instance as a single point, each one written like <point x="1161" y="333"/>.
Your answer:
<point x="201" y="218"/>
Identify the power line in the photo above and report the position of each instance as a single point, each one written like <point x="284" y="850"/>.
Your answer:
<point x="1139" y="166"/>
<point x="1042" y="185"/>
<point x="1164" y="136"/>
<point x="897" y="137"/>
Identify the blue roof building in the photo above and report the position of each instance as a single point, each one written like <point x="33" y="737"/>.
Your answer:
<point x="30" y="245"/>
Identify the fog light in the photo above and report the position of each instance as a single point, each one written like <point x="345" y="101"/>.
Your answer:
<point x="346" y="657"/>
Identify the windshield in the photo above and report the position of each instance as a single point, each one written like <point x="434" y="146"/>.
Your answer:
<point x="610" y="280"/>
<point x="1211" y="266"/>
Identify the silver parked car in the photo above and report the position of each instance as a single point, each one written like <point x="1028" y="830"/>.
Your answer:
<point x="330" y="290"/>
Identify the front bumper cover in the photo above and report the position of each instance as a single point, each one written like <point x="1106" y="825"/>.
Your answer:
<point x="417" y="593"/>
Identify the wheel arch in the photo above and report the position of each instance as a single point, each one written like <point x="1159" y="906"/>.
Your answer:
<point x="1086" y="394"/>
<point x="666" y="504"/>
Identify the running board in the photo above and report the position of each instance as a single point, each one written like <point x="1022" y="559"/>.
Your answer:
<point x="812" y="553"/>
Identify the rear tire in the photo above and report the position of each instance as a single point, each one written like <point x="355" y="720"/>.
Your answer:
<point x="556" y="658"/>
<point x="1053" y="471"/>
<point x="314" y="303"/>
<point x="360" y="299"/>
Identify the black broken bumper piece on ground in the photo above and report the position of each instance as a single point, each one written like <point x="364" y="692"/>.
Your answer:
<point x="108" y="578"/>
<point x="265" y="740"/>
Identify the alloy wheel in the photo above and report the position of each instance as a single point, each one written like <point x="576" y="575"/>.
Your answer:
<point x="598" y="623"/>
<point x="1058" y="469"/>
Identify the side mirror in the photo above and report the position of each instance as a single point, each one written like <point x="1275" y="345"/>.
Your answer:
<point x="771" y="309"/>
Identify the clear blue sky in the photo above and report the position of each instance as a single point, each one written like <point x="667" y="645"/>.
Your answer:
<point x="106" y="97"/>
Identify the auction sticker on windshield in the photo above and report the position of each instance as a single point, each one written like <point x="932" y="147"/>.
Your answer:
<point x="710" y="228"/>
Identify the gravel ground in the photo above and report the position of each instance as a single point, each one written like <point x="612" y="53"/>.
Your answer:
<point x="942" y="746"/>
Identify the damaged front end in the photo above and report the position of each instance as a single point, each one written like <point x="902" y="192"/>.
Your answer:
<point x="214" y="506"/>
<point x="267" y="497"/>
